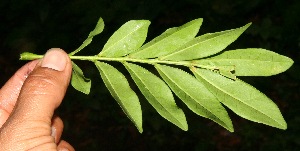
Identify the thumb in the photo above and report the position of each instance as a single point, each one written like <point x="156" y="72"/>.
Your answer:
<point x="29" y="125"/>
<point x="45" y="87"/>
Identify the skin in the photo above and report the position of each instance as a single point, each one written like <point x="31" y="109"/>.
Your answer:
<point x="27" y="103"/>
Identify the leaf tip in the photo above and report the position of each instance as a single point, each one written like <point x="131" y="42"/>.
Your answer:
<point x="283" y="126"/>
<point x="85" y="90"/>
<point x="247" y="26"/>
<point x="186" y="128"/>
<point x="140" y="129"/>
<point x="182" y="125"/>
<point x="230" y="129"/>
<point x="199" y="20"/>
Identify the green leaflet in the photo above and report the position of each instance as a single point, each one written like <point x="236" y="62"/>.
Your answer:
<point x="206" y="45"/>
<point x="119" y="88"/>
<point x="126" y="39"/>
<point x="78" y="81"/>
<point x="98" y="29"/>
<point x="251" y="62"/>
<point x="158" y="94"/>
<point x="169" y="41"/>
<point x="242" y="98"/>
<point x="195" y="95"/>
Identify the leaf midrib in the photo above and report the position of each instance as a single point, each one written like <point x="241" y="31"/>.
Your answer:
<point x="78" y="78"/>
<point x="79" y="74"/>
<point x="248" y="60"/>
<point x="156" y="43"/>
<point x="194" y="99"/>
<point x="163" y="39"/>
<point x="119" y="102"/>
<point x="240" y="100"/>
<point x="155" y="97"/>
<point x="107" y="49"/>
<point x="179" y="51"/>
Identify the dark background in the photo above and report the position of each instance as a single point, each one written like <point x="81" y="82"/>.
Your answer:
<point x="96" y="122"/>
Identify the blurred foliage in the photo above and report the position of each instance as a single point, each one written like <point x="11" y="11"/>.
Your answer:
<point x="96" y="122"/>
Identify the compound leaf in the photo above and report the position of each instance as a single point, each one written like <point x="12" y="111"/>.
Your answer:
<point x="206" y="45"/>
<point x="128" y="38"/>
<point x="78" y="81"/>
<point x="98" y="29"/>
<point x="251" y="62"/>
<point x="242" y="98"/>
<point x="169" y="41"/>
<point x="158" y="94"/>
<point x="214" y="84"/>
<point x="119" y="88"/>
<point x="195" y="95"/>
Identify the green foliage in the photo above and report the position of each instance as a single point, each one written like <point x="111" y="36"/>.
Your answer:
<point x="78" y="81"/>
<point x="120" y="90"/>
<point x="195" y="95"/>
<point x="128" y="38"/>
<point x="98" y="29"/>
<point x="251" y="62"/>
<point x="206" y="45"/>
<point x="169" y="41"/>
<point x="158" y="94"/>
<point x="214" y="82"/>
<point x="242" y="98"/>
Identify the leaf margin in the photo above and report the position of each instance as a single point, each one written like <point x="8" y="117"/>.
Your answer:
<point x="112" y="46"/>
<point x="258" y="65"/>
<point x="181" y="123"/>
<point x="225" y="121"/>
<point x="198" y="53"/>
<point x="78" y="78"/>
<point x="134" y="115"/>
<point x="281" y="123"/>
<point x="168" y="35"/>
<point x="97" y="30"/>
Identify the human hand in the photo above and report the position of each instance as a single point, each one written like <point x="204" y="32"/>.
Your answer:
<point x="28" y="101"/>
